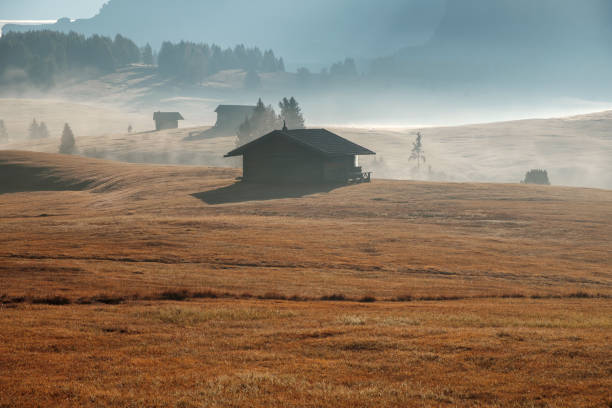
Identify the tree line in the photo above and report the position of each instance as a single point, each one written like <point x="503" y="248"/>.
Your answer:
<point x="38" y="56"/>
<point x="193" y="62"/>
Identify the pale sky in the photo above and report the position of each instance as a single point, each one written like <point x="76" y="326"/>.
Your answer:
<point x="48" y="9"/>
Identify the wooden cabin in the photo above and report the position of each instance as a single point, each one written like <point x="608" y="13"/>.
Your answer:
<point x="311" y="156"/>
<point x="230" y="117"/>
<point x="166" y="120"/>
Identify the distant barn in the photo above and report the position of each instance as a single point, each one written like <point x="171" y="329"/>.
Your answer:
<point x="166" y="120"/>
<point x="301" y="156"/>
<point x="230" y="117"/>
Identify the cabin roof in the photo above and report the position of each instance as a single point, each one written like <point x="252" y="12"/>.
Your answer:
<point x="167" y="116"/>
<point x="321" y="140"/>
<point x="235" y="108"/>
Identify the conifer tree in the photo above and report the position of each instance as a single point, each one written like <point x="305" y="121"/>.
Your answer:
<point x="43" y="132"/>
<point x="3" y="132"/>
<point x="418" y="153"/>
<point x="68" y="143"/>
<point x="147" y="55"/>
<point x="33" y="130"/>
<point x="264" y="120"/>
<point x="291" y="113"/>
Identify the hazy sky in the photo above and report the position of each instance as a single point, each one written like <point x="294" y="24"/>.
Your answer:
<point x="48" y="9"/>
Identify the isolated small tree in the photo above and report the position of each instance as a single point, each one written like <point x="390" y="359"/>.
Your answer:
<point x="252" y="80"/>
<point x="418" y="153"/>
<point x="147" y="55"/>
<point x="68" y="144"/>
<point x="536" y="176"/>
<point x="291" y="113"/>
<point x="3" y="132"/>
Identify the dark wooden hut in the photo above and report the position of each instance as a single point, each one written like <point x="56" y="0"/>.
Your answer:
<point x="230" y="117"/>
<point x="312" y="156"/>
<point x="166" y="120"/>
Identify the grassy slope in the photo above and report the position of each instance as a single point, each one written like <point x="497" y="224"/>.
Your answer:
<point x="386" y="238"/>
<point x="120" y="229"/>
<point x="575" y="150"/>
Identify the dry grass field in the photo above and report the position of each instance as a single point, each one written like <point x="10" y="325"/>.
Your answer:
<point x="141" y="285"/>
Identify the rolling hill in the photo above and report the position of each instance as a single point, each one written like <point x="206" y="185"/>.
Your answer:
<point x="183" y="285"/>
<point x="575" y="150"/>
<point x="192" y="214"/>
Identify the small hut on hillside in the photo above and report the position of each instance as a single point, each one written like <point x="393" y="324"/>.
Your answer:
<point x="313" y="156"/>
<point x="230" y="117"/>
<point x="166" y="120"/>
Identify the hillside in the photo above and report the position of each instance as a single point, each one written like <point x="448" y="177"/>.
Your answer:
<point x="575" y="150"/>
<point x="351" y="238"/>
<point x="189" y="289"/>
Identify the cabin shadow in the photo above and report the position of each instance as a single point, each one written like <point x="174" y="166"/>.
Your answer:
<point x="243" y="191"/>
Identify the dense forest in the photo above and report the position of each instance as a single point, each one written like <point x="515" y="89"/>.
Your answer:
<point x="37" y="57"/>
<point x="193" y="62"/>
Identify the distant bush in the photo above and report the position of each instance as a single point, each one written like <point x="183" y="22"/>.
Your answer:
<point x="536" y="176"/>
<point x="179" y="294"/>
<point x="52" y="300"/>
<point x="335" y="297"/>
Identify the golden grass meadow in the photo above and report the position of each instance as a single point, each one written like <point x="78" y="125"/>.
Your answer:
<point x="154" y="286"/>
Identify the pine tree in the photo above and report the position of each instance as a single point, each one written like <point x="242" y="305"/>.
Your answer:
<point x="33" y="130"/>
<point x="418" y="153"/>
<point x="3" y="132"/>
<point x="291" y="113"/>
<point x="264" y="120"/>
<point x="43" y="132"/>
<point x="147" y="55"/>
<point x="68" y="143"/>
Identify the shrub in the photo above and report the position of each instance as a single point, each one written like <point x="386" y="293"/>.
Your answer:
<point x="336" y="296"/>
<point x="272" y="296"/>
<point x="206" y="294"/>
<point x="403" y="298"/>
<point x="180" y="294"/>
<point x="52" y="300"/>
<point x="536" y="176"/>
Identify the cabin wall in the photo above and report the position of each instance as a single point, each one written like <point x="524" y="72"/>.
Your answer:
<point x="278" y="160"/>
<point x="231" y="119"/>
<point x="166" y="124"/>
<point x="338" y="169"/>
